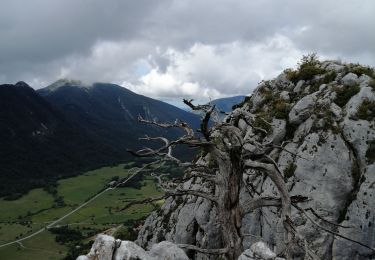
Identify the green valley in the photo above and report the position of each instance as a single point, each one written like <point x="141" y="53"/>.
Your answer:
<point x="40" y="207"/>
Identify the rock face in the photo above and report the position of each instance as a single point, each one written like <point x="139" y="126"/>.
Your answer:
<point x="326" y="127"/>
<point x="259" y="251"/>
<point x="107" y="248"/>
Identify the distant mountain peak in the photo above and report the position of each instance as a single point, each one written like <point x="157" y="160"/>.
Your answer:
<point x="66" y="82"/>
<point x="22" y="84"/>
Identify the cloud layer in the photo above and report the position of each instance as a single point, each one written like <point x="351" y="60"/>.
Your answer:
<point x="171" y="49"/>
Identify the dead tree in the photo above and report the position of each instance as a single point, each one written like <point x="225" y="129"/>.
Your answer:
<point x="232" y="155"/>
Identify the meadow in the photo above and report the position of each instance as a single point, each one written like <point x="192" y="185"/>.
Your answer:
<point x="39" y="207"/>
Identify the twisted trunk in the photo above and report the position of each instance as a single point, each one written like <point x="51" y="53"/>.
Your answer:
<point x="229" y="184"/>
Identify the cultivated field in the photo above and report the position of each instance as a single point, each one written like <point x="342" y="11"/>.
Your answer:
<point x="38" y="208"/>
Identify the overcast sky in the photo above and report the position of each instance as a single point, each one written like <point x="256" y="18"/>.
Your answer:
<point x="169" y="49"/>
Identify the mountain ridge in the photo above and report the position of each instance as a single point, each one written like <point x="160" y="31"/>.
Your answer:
<point x="65" y="129"/>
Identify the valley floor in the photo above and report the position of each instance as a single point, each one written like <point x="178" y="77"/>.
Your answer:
<point x="39" y="208"/>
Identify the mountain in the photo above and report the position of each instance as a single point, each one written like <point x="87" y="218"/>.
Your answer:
<point x="38" y="143"/>
<point x="226" y="104"/>
<point x="314" y="127"/>
<point x="110" y="112"/>
<point x="67" y="128"/>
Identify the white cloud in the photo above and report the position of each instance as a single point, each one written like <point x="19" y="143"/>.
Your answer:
<point x="218" y="70"/>
<point x="173" y="48"/>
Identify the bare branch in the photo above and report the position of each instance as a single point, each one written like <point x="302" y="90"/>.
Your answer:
<point x="325" y="220"/>
<point x="277" y="179"/>
<point x="207" y="177"/>
<point x="260" y="202"/>
<point x="189" y="103"/>
<point x="219" y="251"/>
<point x="330" y="231"/>
<point x="172" y="194"/>
<point x="252" y="204"/>
<point x="208" y="110"/>
<point x="195" y="193"/>
<point x="177" y="124"/>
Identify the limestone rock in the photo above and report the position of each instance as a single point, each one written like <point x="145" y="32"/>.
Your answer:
<point x="285" y="95"/>
<point x="106" y="248"/>
<point x="298" y="87"/>
<point x="103" y="248"/>
<point x="302" y="109"/>
<point x="350" y="79"/>
<point x="335" y="67"/>
<point x="259" y="251"/>
<point x="323" y="158"/>
<point x="129" y="250"/>
<point x="167" y="250"/>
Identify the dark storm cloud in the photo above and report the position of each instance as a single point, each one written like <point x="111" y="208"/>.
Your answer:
<point x="170" y="48"/>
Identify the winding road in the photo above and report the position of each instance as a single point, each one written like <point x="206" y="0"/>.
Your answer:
<point x="18" y="241"/>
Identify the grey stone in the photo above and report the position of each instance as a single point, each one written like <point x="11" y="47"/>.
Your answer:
<point x="327" y="164"/>
<point x="106" y="248"/>
<point x="302" y="109"/>
<point x="350" y="79"/>
<point x="285" y="95"/>
<point x="167" y="250"/>
<point x="335" y="67"/>
<point x="299" y="86"/>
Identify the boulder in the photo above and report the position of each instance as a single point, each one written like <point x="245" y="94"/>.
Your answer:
<point x="302" y="109"/>
<point x="350" y="79"/>
<point x="107" y="248"/>
<point x="259" y="251"/>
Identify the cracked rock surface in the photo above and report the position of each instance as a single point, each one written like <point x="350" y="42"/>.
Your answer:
<point x="328" y="149"/>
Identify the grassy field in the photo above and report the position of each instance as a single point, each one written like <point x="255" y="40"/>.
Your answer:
<point x="38" y="208"/>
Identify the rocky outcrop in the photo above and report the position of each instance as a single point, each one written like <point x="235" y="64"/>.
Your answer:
<point x="259" y="251"/>
<point x="326" y="152"/>
<point x="107" y="248"/>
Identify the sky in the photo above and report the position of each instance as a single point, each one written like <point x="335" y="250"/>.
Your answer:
<point x="174" y="49"/>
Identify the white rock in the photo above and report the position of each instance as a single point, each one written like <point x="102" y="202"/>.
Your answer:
<point x="350" y="79"/>
<point x="167" y="250"/>
<point x="103" y="248"/>
<point x="364" y="79"/>
<point x="242" y="125"/>
<point x="261" y="250"/>
<point x="336" y="111"/>
<point x="302" y="109"/>
<point x="298" y="87"/>
<point x="335" y="67"/>
<point x="365" y="93"/>
<point x="360" y="216"/>
<point x="130" y="250"/>
<point x="82" y="257"/>
<point x="278" y="133"/>
<point x="285" y="95"/>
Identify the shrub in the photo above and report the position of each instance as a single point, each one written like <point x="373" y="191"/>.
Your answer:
<point x="280" y="109"/>
<point x="366" y="111"/>
<point x="308" y="67"/>
<point x="329" y="77"/>
<point x="370" y="153"/>
<point x="260" y="121"/>
<point x="64" y="234"/>
<point x="291" y="75"/>
<point x="344" y="94"/>
<point x="308" y="72"/>
<point x="359" y="70"/>
<point x="372" y="84"/>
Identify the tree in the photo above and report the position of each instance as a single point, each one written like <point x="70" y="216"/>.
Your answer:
<point x="230" y="156"/>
